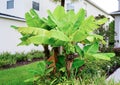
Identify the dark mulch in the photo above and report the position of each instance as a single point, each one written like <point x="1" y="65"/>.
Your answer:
<point x="112" y="70"/>
<point x="20" y="63"/>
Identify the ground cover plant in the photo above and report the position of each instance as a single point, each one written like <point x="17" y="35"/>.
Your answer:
<point x="16" y="76"/>
<point x="67" y="30"/>
<point x="7" y="59"/>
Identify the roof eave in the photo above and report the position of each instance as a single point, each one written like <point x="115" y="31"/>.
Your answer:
<point x="115" y="13"/>
<point x="89" y="1"/>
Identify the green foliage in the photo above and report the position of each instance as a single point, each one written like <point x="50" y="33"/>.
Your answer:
<point x="77" y="63"/>
<point x="93" y="48"/>
<point x="67" y="30"/>
<point x="61" y="63"/>
<point x="79" y="51"/>
<point x="89" y="77"/>
<point x="103" y="67"/>
<point x="7" y="59"/>
<point x="33" y="20"/>
<point x="111" y="65"/>
<point x="111" y="33"/>
<point x="97" y="80"/>
<point x="40" y="73"/>
<point x="77" y="29"/>
<point x="108" y="33"/>
<point x="105" y="56"/>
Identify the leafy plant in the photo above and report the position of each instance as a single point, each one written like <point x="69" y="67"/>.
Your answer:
<point x="8" y="59"/>
<point x="40" y="73"/>
<point x="108" y="34"/>
<point x="68" y="29"/>
<point x="34" y="54"/>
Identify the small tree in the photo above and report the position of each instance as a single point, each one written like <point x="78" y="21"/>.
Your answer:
<point x="69" y="29"/>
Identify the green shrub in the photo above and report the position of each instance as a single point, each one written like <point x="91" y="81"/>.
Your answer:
<point x="34" y="54"/>
<point x="20" y="57"/>
<point x="7" y="58"/>
<point x="97" y="80"/>
<point x="100" y="67"/>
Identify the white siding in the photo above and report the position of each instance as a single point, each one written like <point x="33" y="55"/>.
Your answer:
<point x="77" y="5"/>
<point x="117" y="31"/>
<point x="92" y="10"/>
<point x="9" y="38"/>
<point x="45" y="5"/>
<point x="22" y="6"/>
<point x="18" y="9"/>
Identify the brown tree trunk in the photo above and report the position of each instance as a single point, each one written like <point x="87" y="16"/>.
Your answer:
<point x="46" y="51"/>
<point x="62" y="3"/>
<point x="69" y="61"/>
<point x="53" y="58"/>
<point x="56" y="51"/>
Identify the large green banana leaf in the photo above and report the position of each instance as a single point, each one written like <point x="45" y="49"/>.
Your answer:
<point x="42" y="36"/>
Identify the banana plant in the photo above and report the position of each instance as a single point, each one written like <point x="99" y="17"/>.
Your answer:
<point x="68" y="29"/>
<point x="33" y="20"/>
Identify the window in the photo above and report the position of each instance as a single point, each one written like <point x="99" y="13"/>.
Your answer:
<point x="35" y="5"/>
<point x="10" y="4"/>
<point x="70" y="6"/>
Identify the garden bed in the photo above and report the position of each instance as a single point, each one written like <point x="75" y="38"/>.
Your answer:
<point x="20" y="63"/>
<point x="8" y="60"/>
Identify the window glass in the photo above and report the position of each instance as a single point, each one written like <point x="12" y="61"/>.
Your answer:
<point x="10" y="4"/>
<point x="70" y="6"/>
<point x="35" y="5"/>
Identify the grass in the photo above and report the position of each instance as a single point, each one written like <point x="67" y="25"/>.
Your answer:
<point x="16" y="76"/>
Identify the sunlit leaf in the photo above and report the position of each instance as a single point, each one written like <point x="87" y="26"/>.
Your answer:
<point x="94" y="48"/>
<point x="104" y="56"/>
<point x="77" y="63"/>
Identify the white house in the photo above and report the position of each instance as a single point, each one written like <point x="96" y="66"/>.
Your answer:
<point x="116" y="15"/>
<point x="12" y="13"/>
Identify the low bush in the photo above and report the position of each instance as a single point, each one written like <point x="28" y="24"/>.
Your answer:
<point x="34" y="54"/>
<point x="100" y="67"/>
<point x="20" y="57"/>
<point x="7" y="58"/>
<point x="90" y="75"/>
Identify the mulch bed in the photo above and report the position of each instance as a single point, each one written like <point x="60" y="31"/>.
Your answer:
<point x="19" y="64"/>
<point x="112" y="70"/>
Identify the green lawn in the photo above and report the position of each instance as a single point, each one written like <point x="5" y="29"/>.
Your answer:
<point x="16" y="76"/>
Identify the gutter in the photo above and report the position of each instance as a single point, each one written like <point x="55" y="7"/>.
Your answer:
<point x="7" y="16"/>
<point x="113" y="14"/>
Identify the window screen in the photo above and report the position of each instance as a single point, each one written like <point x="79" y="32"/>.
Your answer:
<point x="35" y="5"/>
<point x="10" y="4"/>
